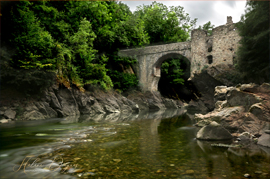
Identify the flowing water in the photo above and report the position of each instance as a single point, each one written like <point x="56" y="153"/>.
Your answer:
<point x="152" y="145"/>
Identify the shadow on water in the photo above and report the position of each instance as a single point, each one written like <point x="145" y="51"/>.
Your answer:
<point x="147" y="145"/>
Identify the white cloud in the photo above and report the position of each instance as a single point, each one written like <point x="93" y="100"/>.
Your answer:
<point x="222" y="9"/>
<point x="214" y="11"/>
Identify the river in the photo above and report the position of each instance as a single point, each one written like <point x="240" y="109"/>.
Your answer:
<point x="149" y="145"/>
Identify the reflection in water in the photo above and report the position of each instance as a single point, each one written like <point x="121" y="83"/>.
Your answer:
<point x="146" y="145"/>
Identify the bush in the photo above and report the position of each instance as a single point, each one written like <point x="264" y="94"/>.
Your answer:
<point x="123" y="81"/>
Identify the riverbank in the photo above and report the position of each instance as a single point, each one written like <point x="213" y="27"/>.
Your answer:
<point x="242" y="112"/>
<point x="59" y="101"/>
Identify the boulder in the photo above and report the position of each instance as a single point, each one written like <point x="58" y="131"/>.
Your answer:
<point x="219" y="105"/>
<point x="244" y="122"/>
<point x="236" y="97"/>
<point x="206" y="84"/>
<point x="220" y="93"/>
<point x="264" y="140"/>
<point x="213" y="131"/>
<point x="33" y="115"/>
<point x="170" y="103"/>
<point x="196" y="107"/>
<point x="203" y="123"/>
<point x="260" y="111"/>
<point x="264" y="88"/>
<point x="148" y="101"/>
<point x="219" y="115"/>
<point x="10" y="114"/>
<point x="251" y="87"/>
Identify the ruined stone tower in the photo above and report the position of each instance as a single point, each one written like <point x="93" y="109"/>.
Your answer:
<point x="229" y="20"/>
<point x="219" y="48"/>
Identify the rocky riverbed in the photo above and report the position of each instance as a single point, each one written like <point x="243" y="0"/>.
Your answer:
<point x="148" y="145"/>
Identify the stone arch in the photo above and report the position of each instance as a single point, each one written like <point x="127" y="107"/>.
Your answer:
<point x="157" y="67"/>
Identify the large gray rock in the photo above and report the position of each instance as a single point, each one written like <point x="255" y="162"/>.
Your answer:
<point x="264" y="140"/>
<point x="205" y="84"/>
<point x="170" y="103"/>
<point x="260" y="111"/>
<point x="236" y="97"/>
<point x="196" y="107"/>
<point x="148" y="101"/>
<point x="32" y="115"/>
<point x="251" y="87"/>
<point x="219" y="115"/>
<point x="10" y="114"/>
<point x="213" y="131"/>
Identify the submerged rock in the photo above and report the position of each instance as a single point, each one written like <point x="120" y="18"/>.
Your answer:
<point x="213" y="131"/>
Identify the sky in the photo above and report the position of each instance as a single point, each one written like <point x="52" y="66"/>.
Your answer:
<point x="214" y="11"/>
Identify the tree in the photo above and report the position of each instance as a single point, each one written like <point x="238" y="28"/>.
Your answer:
<point x="163" y="24"/>
<point x="253" y="54"/>
<point x="171" y="71"/>
<point x="208" y="27"/>
<point x="33" y="43"/>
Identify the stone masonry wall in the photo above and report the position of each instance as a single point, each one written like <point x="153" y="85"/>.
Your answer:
<point x="219" y="48"/>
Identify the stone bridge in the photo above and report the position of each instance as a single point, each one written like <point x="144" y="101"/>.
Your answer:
<point x="151" y="58"/>
<point x="201" y="52"/>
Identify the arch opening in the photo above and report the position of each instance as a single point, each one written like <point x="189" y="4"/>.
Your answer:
<point x="210" y="59"/>
<point x="173" y="78"/>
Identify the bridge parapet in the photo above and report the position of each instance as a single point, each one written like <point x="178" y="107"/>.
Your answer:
<point x="156" y="49"/>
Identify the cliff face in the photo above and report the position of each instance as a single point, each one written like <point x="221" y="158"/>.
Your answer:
<point x="60" y="102"/>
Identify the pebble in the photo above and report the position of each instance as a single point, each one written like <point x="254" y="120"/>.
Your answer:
<point x="189" y="172"/>
<point x="267" y="131"/>
<point x="247" y="175"/>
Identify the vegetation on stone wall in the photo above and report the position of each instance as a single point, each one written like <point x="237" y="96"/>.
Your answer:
<point x="253" y="54"/>
<point x="207" y="27"/>
<point x="78" y="40"/>
<point x="171" y="71"/>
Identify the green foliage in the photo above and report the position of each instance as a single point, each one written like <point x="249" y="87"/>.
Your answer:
<point x="207" y="27"/>
<point x="33" y="43"/>
<point x="123" y="81"/>
<point x="172" y="72"/>
<point x="253" y="54"/>
<point x="121" y="78"/>
<point x="122" y="60"/>
<point x="70" y="39"/>
<point x="165" y="25"/>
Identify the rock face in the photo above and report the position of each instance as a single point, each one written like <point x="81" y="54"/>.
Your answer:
<point x="153" y="101"/>
<point x="213" y="131"/>
<point x="61" y="102"/>
<point x="245" y="108"/>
